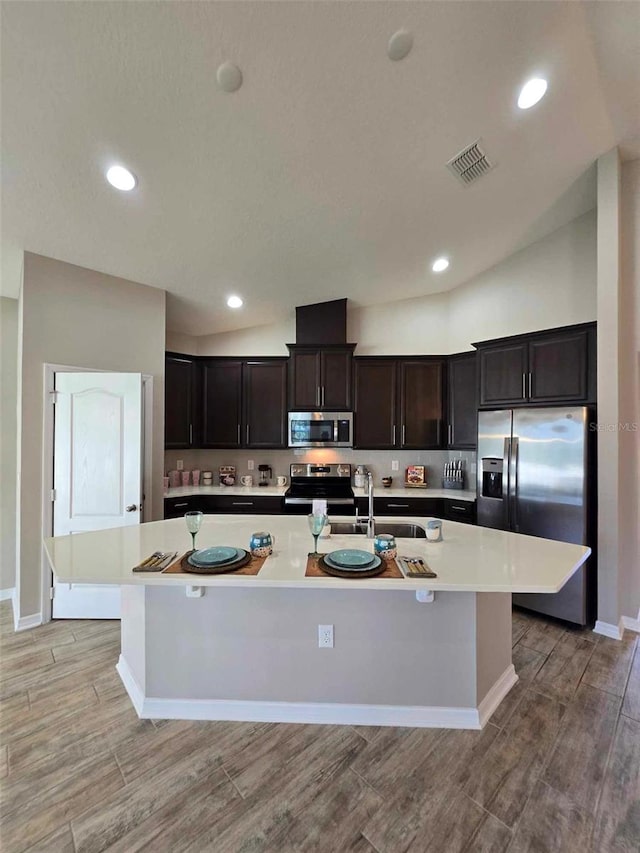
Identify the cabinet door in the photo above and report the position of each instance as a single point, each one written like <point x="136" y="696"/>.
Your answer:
<point x="304" y="391"/>
<point x="421" y="404"/>
<point x="179" y="401"/>
<point x="503" y="374"/>
<point x="335" y="379"/>
<point x="375" y="403"/>
<point x="222" y="403"/>
<point x="176" y="507"/>
<point x="463" y="401"/>
<point x="558" y="368"/>
<point x="265" y="403"/>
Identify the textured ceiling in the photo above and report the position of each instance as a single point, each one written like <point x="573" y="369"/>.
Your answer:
<point x="324" y="175"/>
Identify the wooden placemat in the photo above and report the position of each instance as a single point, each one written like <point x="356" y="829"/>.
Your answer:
<point x="313" y="570"/>
<point x="251" y="568"/>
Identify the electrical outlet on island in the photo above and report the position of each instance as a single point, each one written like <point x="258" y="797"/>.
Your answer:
<point x="325" y="636"/>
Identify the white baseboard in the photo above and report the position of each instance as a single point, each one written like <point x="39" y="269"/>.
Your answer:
<point x="496" y="694"/>
<point x="6" y="594"/>
<point x="326" y="713"/>
<point x="23" y="623"/>
<point x="631" y="624"/>
<point x="607" y="629"/>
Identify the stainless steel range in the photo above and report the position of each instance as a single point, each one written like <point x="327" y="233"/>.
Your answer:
<point x="331" y="482"/>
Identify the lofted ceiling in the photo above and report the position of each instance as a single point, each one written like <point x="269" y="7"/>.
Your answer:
<point x="324" y="175"/>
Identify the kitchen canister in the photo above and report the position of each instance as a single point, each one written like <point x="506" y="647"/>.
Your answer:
<point x="174" y="479"/>
<point x="261" y="543"/>
<point x="384" y="545"/>
<point x="207" y="478"/>
<point x="434" y="530"/>
<point x="195" y="477"/>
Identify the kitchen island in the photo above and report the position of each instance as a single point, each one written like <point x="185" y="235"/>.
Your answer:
<point x="233" y="647"/>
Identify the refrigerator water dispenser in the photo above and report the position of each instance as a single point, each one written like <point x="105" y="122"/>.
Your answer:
<point x="491" y="477"/>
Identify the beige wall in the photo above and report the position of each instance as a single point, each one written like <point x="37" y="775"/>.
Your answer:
<point x="629" y="398"/>
<point x="549" y="283"/>
<point x="8" y="438"/>
<point x="78" y="317"/>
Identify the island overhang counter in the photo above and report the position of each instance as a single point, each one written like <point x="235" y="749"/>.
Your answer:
<point x="237" y="647"/>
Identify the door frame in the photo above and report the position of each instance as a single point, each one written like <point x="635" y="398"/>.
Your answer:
<point x="50" y="371"/>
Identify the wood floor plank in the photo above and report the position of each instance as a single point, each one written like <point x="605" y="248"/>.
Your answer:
<point x="181" y="820"/>
<point x="110" y="821"/>
<point x="559" y="676"/>
<point x="617" y="828"/>
<point x="526" y="662"/>
<point x="576" y="766"/>
<point x="108" y="685"/>
<point x="369" y="733"/>
<point x="25" y="662"/>
<point x="505" y="709"/>
<point x="4" y="761"/>
<point x="93" y="781"/>
<point x="552" y="823"/>
<point x="519" y="627"/>
<point x="12" y="709"/>
<point x="543" y="635"/>
<point x="492" y="836"/>
<point x="452" y="828"/>
<point x="610" y="663"/>
<point x="60" y="841"/>
<point x="504" y="779"/>
<point x="92" y="627"/>
<point x="83" y="646"/>
<point x="631" y="703"/>
<point x="420" y="799"/>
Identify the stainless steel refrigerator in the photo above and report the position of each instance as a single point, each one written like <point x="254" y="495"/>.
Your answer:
<point x="534" y="478"/>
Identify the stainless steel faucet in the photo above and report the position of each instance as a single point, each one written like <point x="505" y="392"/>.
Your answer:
<point x="371" y="523"/>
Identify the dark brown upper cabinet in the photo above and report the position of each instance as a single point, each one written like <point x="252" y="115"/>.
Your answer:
<point x="221" y="403"/>
<point x="462" y="409"/>
<point x="320" y="377"/>
<point x="375" y="392"/>
<point x="551" y="367"/>
<point x="244" y="402"/>
<point x="399" y="403"/>
<point x="181" y="402"/>
<point x="265" y="403"/>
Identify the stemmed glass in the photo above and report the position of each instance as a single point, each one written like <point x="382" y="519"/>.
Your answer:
<point x="316" y="523"/>
<point x="194" y="523"/>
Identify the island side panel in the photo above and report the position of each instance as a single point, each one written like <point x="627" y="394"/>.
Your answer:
<point x="133" y="634"/>
<point x="262" y="645"/>
<point x="493" y="640"/>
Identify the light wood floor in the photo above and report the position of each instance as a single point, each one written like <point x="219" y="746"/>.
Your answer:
<point x="556" y="769"/>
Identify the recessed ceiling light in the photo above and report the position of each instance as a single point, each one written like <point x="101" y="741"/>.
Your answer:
<point x="235" y="302"/>
<point x="121" y="178"/>
<point x="440" y="264"/>
<point x="532" y="91"/>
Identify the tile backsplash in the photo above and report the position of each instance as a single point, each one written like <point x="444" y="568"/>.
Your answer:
<point x="377" y="461"/>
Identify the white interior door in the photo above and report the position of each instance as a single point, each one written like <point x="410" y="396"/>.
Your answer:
<point x="97" y="473"/>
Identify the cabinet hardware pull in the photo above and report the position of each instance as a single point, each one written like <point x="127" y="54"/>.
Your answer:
<point x="461" y="508"/>
<point x="241" y="503"/>
<point x="404" y="434"/>
<point x="190" y="433"/>
<point x="318" y="396"/>
<point x="529" y="384"/>
<point x="177" y="506"/>
<point x="394" y="435"/>
<point x="524" y="386"/>
<point x="247" y="433"/>
<point x="238" y="433"/>
<point x="450" y="434"/>
<point x="399" y="506"/>
<point x="322" y="396"/>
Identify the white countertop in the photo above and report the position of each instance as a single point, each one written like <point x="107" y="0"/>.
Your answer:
<point x="278" y="491"/>
<point x="470" y="558"/>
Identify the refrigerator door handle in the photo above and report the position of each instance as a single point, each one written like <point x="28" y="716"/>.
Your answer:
<point x="506" y="455"/>
<point x="513" y="484"/>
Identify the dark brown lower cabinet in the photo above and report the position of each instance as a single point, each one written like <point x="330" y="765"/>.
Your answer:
<point x="262" y="505"/>
<point x="456" y="510"/>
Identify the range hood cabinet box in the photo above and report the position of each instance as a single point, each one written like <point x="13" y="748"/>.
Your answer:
<point x="322" y="324"/>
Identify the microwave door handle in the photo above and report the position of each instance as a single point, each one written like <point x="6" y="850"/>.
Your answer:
<point x="335" y="430"/>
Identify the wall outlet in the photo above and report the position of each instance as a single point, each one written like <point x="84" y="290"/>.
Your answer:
<point x="394" y="465"/>
<point x="179" y="464"/>
<point x="250" y="464"/>
<point x="325" y="636"/>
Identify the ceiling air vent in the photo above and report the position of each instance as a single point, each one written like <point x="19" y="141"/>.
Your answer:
<point x="470" y="164"/>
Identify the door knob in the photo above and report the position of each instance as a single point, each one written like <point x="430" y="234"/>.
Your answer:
<point x="131" y="508"/>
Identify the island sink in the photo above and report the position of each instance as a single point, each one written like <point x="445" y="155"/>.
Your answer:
<point x="400" y="529"/>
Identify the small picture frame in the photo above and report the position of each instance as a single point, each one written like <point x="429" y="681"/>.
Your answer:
<point x="415" y="477"/>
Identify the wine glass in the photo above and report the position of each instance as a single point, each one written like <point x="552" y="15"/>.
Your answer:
<point x="316" y="522"/>
<point x="194" y="523"/>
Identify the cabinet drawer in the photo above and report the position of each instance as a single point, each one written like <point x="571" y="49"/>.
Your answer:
<point x="464" y="511"/>
<point x="402" y="506"/>
<point x="251" y="504"/>
<point x="176" y="507"/>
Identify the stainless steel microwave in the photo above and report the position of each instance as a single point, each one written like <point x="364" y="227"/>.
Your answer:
<point x="320" y="429"/>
